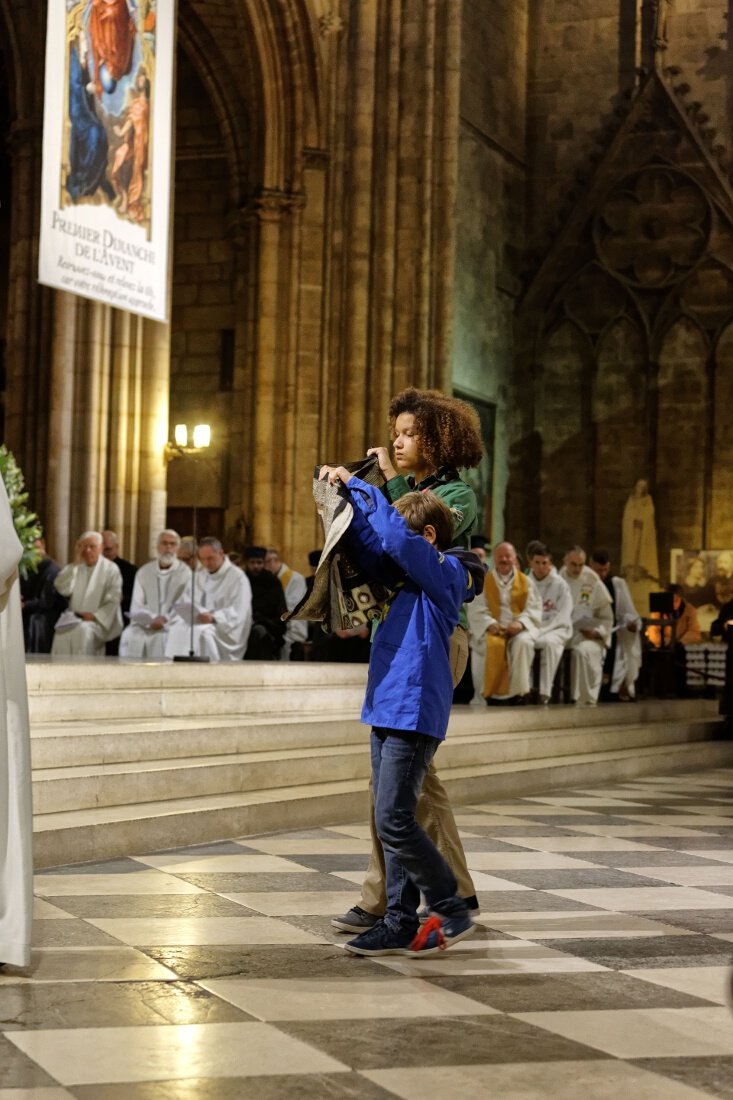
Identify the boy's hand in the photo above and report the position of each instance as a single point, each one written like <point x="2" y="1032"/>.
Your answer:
<point x="335" y="474"/>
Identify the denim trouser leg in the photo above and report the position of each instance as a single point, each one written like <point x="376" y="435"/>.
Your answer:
<point x="400" y="761"/>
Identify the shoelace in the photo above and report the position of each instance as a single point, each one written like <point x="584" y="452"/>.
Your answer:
<point x="432" y="924"/>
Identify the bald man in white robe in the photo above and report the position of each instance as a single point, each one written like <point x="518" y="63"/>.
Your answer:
<point x="93" y="587"/>
<point x="223" y="596"/>
<point x="16" y="826"/>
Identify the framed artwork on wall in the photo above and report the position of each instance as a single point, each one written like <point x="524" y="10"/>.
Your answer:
<point x="706" y="577"/>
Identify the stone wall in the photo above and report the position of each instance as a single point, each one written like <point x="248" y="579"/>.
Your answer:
<point x="203" y="303"/>
<point x="490" y="221"/>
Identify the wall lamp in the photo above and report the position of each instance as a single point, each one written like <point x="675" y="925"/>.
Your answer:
<point x="199" y="436"/>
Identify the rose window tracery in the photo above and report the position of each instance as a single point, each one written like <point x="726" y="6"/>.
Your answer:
<point x="653" y="227"/>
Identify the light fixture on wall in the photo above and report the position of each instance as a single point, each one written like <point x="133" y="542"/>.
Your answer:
<point x="199" y="434"/>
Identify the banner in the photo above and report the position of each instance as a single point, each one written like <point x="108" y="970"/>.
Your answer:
<point x="107" y="152"/>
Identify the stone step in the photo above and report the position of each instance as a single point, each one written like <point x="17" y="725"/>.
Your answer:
<point x="101" y="833"/>
<point x="120" y="738"/>
<point x="116" y="741"/>
<point x="109" y="784"/>
<point x="85" y="691"/>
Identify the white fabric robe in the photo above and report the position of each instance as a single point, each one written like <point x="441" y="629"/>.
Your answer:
<point x="155" y="590"/>
<point x="556" y="629"/>
<point x="591" y="601"/>
<point x="16" y="823"/>
<point x="296" y="629"/>
<point x="627" y="663"/>
<point x="226" y="595"/>
<point x="98" y="589"/>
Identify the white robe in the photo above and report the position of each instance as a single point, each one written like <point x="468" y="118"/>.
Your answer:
<point x="155" y="590"/>
<point x="627" y="662"/>
<point x="591" y="610"/>
<point x="96" y="588"/>
<point x="226" y="595"/>
<point x="16" y="823"/>
<point x="556" y="628"/>
<point x="296" y="629"/>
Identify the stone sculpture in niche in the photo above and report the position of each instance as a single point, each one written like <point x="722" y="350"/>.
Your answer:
<point x="639" y="559"/>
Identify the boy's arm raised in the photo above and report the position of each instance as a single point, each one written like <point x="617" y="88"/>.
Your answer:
<point x="444" y="579"/>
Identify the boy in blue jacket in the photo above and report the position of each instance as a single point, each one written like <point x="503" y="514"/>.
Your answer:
<point x="407" y="702"/>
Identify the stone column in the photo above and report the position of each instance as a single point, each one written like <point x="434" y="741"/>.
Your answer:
<point x="30" y="317"/>
<point x="272" y="368"/>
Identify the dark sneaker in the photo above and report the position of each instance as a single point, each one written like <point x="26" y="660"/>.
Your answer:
<point x="356" y="920"/>
<point x="380" y="940"/>
<point x="440" y="933"/>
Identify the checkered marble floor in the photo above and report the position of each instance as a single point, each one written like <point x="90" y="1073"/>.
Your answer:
<point x="600" y="968"/>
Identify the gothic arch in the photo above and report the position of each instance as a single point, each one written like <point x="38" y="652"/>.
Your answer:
<point x="682" y="429"/>
<point x="563" y="412"/>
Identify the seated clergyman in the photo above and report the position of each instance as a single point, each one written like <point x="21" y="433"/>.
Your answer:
<point x="159" y="584"/>
<point x="93" y="587"/>
<point x="217" y="624"/>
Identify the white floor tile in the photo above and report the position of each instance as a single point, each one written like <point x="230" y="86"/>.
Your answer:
<point x="647" y="898"/>
<point x="482" y="881"/>
<point x="581" y="844"/>
<point x="523" y="861"/>
<point x="88" y="1056"/>
<point x="287" y="903"/>
<point x="588" y="1080"/>
<point x="567" y="925"/>
<point x="720" y="875"/>
<point x="186" y="864"/>
<point x="88" y="964"/>
<point x="359" y="999"/>
<point x="643" y="1032"/>
<point x="281" y="846"/>
<point x="636" y="830"/>
<point x="43" y="910"/>
<point x="183" y="931"/>
<point x="487" y="957"/>
<point x="709" y="982"/>
<point x="136" y="882"/>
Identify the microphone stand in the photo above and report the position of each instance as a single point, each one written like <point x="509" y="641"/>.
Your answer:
<point x="192" y="658"/>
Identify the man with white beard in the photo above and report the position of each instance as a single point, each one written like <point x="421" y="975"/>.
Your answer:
<point x="592" y="627"/>
<point x="93" y="587"/>
<point x="158" y="585"/>
<point x="557" y="615"/>
<point x="623" y="660"/>
<point x="222" y="611"/>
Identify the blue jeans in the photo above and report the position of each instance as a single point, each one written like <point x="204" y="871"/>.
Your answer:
<point x="400" y="760"/>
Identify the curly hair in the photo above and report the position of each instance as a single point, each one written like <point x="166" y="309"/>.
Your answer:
<point x="449" y="429"/>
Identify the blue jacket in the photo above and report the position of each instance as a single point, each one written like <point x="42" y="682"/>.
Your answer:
<point x="410" y="686"/>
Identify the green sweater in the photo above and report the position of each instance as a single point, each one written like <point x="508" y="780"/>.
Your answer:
<point x="459" y="497"/>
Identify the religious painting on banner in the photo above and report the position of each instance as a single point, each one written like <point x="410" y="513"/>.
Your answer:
<point x="107" y="151"/>
<point x="706" y="577"/>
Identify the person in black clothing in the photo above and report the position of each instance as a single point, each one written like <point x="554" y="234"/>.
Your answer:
<point x="42" y="604"/>
<point x="268" y="605"/>
<point x="722" y="627"/>
<point x="111" y="551"/>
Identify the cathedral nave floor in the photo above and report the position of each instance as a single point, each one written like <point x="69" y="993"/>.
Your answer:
<point x="600" y="968"/>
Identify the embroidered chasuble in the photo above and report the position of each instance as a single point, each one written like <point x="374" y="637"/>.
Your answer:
<point x="496" y="669"/>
